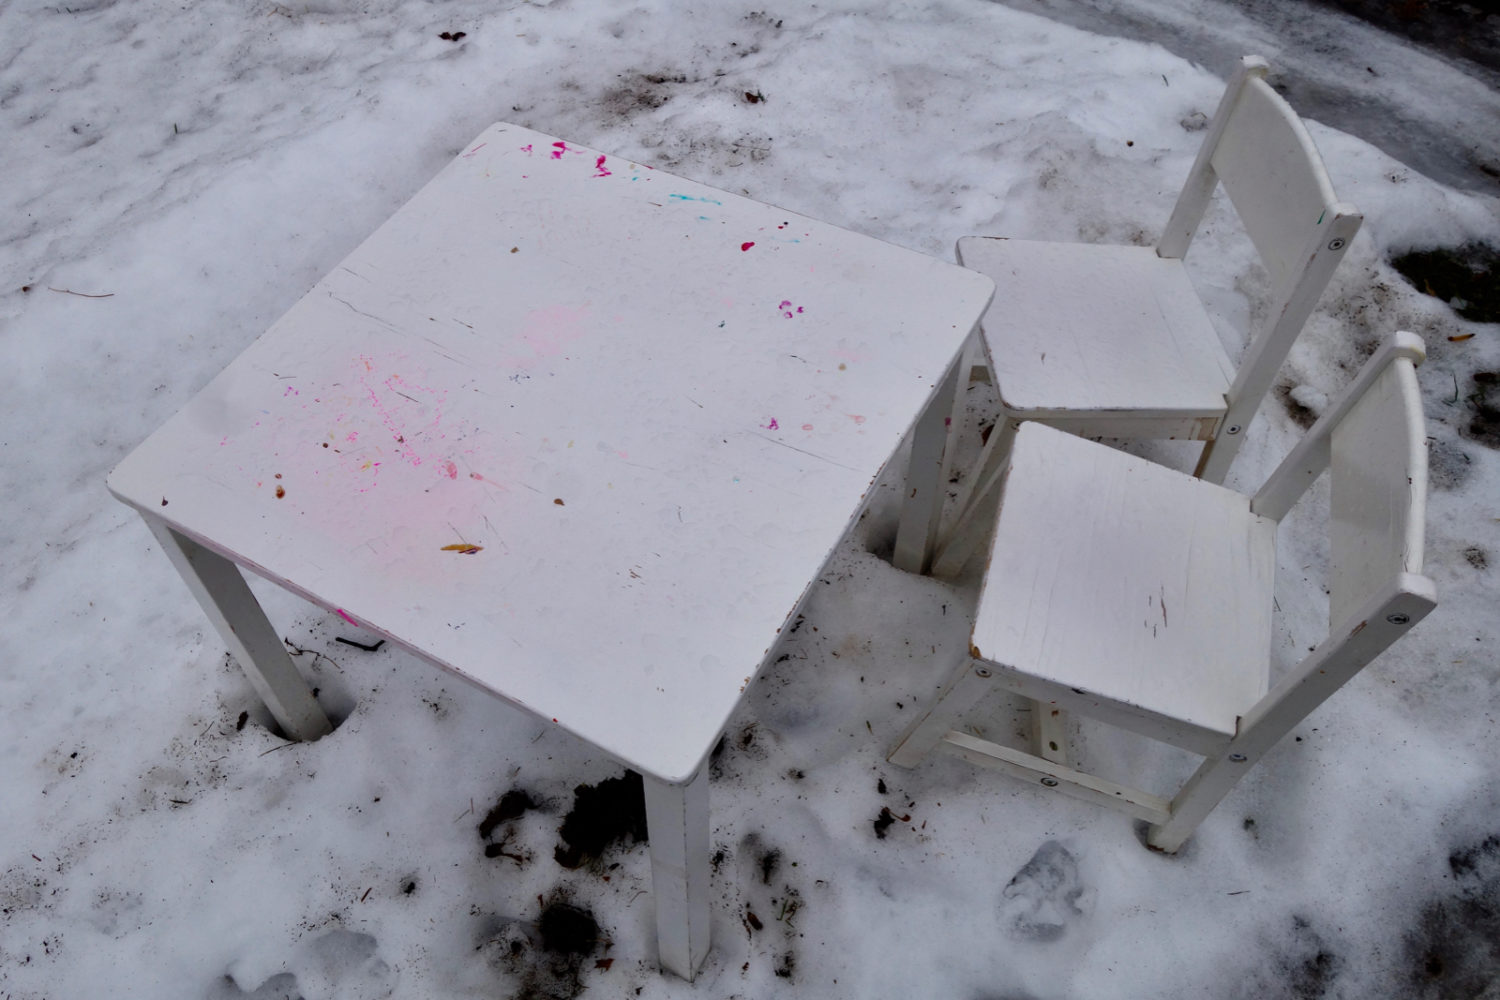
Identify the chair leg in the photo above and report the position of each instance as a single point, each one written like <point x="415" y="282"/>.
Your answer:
<point x="1213" y="780"/>
<point x="976" y="505"/>
<point x="1049" y="734"/>
<point x="677" y="834"/>
<point x="926" y="471"/>
<point x="236" y="614"/>
<point x="968" y="684"/>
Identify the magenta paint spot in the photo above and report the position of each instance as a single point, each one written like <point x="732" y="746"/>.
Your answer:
<point x="599" y="169"/>
<point x="290" y="392"/>
<point x="856" y="418"/>
<point x="451" y="470"/>
<point x="558" y="149"/>
<point x="772" y="426"/>
<point x="345" y="615"/>
<point x="353" y="436"/>
<point x="745" y="246"/>
<point x="475" y="475"/>
<point x="475" y="150"/>
<point x="787" y="309"/>
<point x="807" y="427"/>
<point x="224" y="441"/>
<point x="526" y="148"/>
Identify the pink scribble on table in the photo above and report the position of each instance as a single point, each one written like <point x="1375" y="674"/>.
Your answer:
<point x="857" y="418"/>
<point x="746" y="246"/>
<point x="475" y="150"/>
<point x="450" y="469"/>
<point x="526" y="148"/>
<point x="290" y="391"/>
<point x="772" y="426"/>
<point x="787" y="309"/>
<point x="600" y="170"/>
<point x="548" y="331"/>
<point x="558" y="149"/>
<point x="345" y="615"/>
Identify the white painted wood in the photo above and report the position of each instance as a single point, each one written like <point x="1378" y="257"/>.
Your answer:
<point x="965" y="686"/>
<point x="1193" y="201"/>
<point x="1343" y="654"/>
<point x="653" y="407"/>
<point x="1378" y="492"/>
<point x="1076" y="784"/>
<point x="1129" y="583"/>
<point x="237" y="616"/>
<point x="1086" y="327"/>
<point x="677" y="829"/>
<point x="1114" y="342"/>
<point x="928" y="471"/>
<point x="1068" y="611"/>
<point x="580" y="432"/>
<point x="1049" y="732"/>
<point x="1273" y="176"/>
<point x="1324" y="248"/>
<point x="1309" y="458"/>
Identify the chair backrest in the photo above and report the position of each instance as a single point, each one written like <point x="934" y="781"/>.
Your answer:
<point x="1373" y="442"/>
<point x="1260" y="151"/>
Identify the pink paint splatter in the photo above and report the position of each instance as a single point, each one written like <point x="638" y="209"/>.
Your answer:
<point x="807" y="427"/>
<point x="345" y="615"/>
<point x="475" y="150"/>
<point x="526" y="148"/>
<point x="772" y="426"/>
<point x="787" y="309"/>
<point x="856" y="418"/>
<point x="558" y="149"/>
<point x="599" y="169"/>
<point x="746" y="246"/>
<point x="451" y="470"/>
<point x="290" y="392"/>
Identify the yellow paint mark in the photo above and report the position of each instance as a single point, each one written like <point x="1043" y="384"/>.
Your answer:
<point x="463" y="547"/>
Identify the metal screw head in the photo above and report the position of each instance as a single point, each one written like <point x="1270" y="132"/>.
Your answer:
<point x="981" y="671"/>
<point x="1397" y="618"/>
<point x="1238" y="758"/>
<point x="1050" y="781"/>
<point x="1336" y="245"/>
<point x="1232" y="429"/>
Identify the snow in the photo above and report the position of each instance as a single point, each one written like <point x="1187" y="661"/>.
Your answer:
<point x="176" y="177"/>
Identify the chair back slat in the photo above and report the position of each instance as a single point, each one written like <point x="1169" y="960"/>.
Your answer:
<point x="1275" y="179"/>
<point x="1378" y="469"/>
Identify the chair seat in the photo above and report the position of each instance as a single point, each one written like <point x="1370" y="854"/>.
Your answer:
<point x="1138" y="594"/>
<point x="1081" y="329"/>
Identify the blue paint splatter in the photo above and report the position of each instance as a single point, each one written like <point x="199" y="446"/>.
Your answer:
<point x="688" y="197"/>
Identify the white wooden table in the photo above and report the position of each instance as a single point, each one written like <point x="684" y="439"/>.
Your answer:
<point x="577" y="430"/>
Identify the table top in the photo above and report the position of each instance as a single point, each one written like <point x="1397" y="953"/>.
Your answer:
<point x="578" y="430"/>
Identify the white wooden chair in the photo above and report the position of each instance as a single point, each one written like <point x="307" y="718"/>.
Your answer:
<point x="1140" y="596"/>
<point x="1112" y="341"/>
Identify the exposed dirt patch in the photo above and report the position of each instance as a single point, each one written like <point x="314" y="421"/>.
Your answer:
<point x="602" y="814"/>
<point x="511" y="806"/>
<point x="1454" y="949"/>
<point x="1466" y="277"/>
<point x="1484" y="403"/>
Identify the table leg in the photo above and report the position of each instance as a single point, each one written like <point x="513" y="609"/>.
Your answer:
<point x="922" y="507"/>
<point x="677" y="827"/>
<point x="227" y="600"/>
